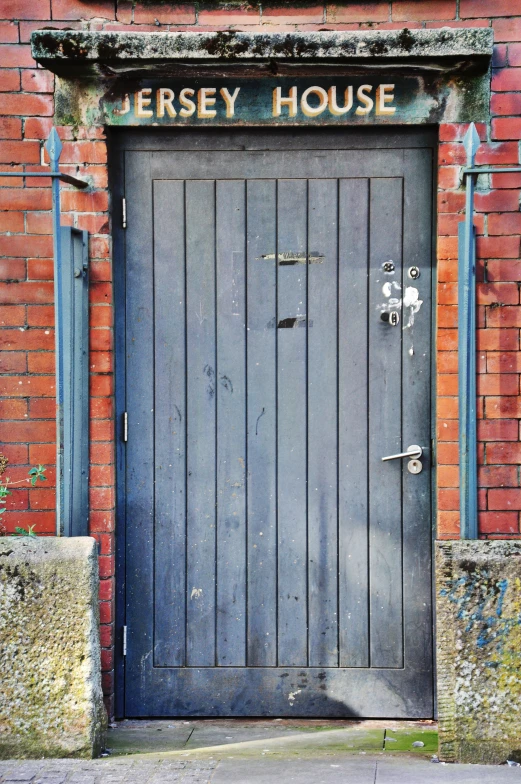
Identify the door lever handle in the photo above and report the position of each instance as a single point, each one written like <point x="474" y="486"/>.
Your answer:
<point x="414" y="452"/>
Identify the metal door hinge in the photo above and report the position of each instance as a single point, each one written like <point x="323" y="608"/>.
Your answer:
<point x="124" y="212"/>
<point x="124" y="641"/>
<point x="125" y="426"/>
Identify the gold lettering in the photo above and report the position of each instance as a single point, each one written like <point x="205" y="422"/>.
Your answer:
<point x="189" y="106"/>
<point x="365" y="99"/>
<point x="165" y="96"/>
<point x="334" y="108"/>
<point x="140" y="101"/>
<point x="204" y="100"/>
<point x="313" y="111"/>
<point x="382" y="99"/>
<point x="229" y="100"/>
<point x="279" y="101"/>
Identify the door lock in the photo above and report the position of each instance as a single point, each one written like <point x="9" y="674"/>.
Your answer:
<point x="390" y="317"/>
<point x="414" y="453"/>
<point x="414" y="467"/>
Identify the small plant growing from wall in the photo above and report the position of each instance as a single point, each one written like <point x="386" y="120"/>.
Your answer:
<point x="35" y="474"/>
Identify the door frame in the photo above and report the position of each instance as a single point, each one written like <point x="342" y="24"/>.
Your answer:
<point x="141" y="138"/>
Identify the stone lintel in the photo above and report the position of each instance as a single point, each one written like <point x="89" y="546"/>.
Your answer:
<point x="73" y="53"/>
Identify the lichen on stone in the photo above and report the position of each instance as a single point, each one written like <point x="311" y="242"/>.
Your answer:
<point x="51" y="701"/>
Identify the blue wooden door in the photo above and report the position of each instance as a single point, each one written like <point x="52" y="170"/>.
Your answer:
<point x="278" y="328"/>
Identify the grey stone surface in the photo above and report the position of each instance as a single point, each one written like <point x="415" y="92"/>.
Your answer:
<point x="478" y="641"/>
<point x="333" y="769"/>
<point x="50" y="701"/>
<point x="52" y="48"/>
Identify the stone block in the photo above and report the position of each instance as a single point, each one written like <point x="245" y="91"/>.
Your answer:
<point x="51" y="703"/>
<point x="478" y="645"/>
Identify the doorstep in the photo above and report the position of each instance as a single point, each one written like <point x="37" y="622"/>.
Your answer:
<point x="203" y="738"/>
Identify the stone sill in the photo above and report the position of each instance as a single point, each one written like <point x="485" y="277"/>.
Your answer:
<point x="80" y="54"/>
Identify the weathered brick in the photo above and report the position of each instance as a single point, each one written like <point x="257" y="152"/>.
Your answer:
<point x="504" y="498"/>
<point x="19" y="152"/>
<point x="508" y="29"/>
<point x="498" y="522"/>
<point x="13" y="362"/>
<point x="504" y="454"/>
<point x="83" y="9"/>
<point x="12" y="269"/>
<point x="26" y="339"/>
<point x="25" y="199"/>
<point x="496" y="153"/>
<point x="506" y="127"/>
<point x="476" y="8"/>
<point x="37" y="81"/>
<point x="25" y="292"/>
<point x="25" y="9"/>
<point x="12" y="409"/>
<point x="497" y="430"/>
<point x="9" y="32"/>
<point x="222" y="17"/>
<point x="28" y="245"/>
<point x="498" y="384"/>
<point x="506" y="80"/>
<point x="31" y="431"/>
<point x="505" y="103"/>
<point x="40" y="362"/>
<point x="423" y="10"/>
<point x="496" y="339"/>
<point x="10" y="128"/>
<point x="504" y="223"/>
<point x="169" y="13"/>
<point x="504" y="317"/>
<point x="503" y="407"/>
<point x="377" y="11"/>
<point x="10" y="81"/>
<point x="497" y="247"/>
<point x="290" y="15"/>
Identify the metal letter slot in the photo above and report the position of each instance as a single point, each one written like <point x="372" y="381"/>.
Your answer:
<point x="414" y="452"/>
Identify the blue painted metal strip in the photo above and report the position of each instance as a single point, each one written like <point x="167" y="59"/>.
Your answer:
<point x="75" y="287"/>
<point x="467" y="353"/>
<point x="54" y="148"/>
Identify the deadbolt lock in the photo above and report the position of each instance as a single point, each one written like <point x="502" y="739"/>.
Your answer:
<point x="392" y="317"/>
<point x="414" y="273"/>
<point x="414" y="466"/>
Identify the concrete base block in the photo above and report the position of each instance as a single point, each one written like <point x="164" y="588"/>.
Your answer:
<point x="478" y="644"/>
<point x="51" y="703"/>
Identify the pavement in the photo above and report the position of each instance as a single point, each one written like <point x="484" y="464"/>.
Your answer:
<point x="261" y="752"/>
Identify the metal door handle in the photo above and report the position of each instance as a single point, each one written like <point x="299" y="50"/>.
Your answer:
<point x="414" y="452"/>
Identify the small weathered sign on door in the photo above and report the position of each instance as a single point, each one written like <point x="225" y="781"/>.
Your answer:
<point x="359" y="99"/>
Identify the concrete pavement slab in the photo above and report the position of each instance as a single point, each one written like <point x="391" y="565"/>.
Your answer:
<point x="329" y="770"/>
<point x="409" y="770"/>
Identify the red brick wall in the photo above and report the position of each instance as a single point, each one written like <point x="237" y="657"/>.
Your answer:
<point x="26" y="313"/>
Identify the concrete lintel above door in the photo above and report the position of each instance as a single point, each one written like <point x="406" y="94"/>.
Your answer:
<point x="73" y="53"/>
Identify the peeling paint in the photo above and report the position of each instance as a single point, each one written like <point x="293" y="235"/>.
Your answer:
<point x="411" y="300"/>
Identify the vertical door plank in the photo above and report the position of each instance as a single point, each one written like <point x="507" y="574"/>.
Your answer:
<point x="231" y="423"/>
<point x="353" y="354"/>
<point x="292" y="420"/>
<point x="385" y="426"/>
<point x="139" y="489"/>
<point x="322" y="422"/>
<point x="417" y="540"/>
<point x="262" y="422"/>
<point x="201" y="421"/>
<point x="169" y="424"/>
